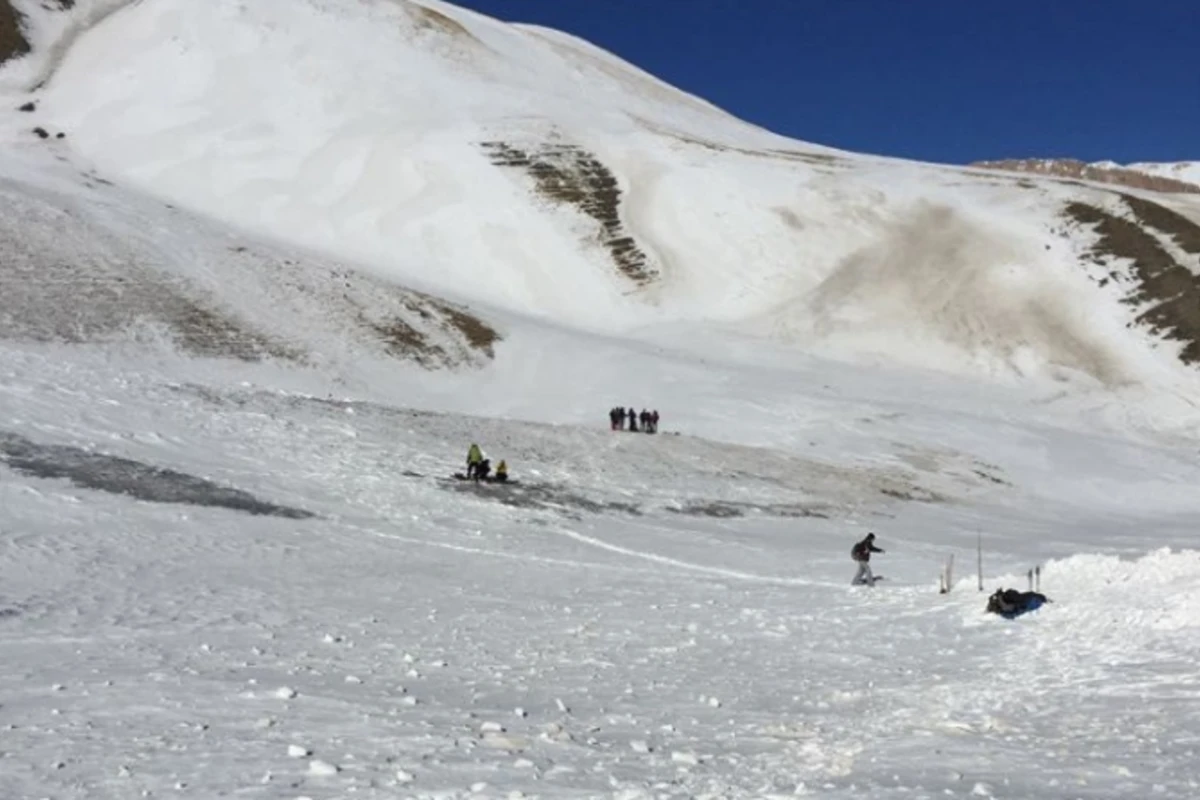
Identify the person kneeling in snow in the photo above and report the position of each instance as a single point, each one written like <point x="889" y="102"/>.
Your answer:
<point x="1010" y="603"/>
<point x="861" y="553"/>
<point x="501" y="472"/>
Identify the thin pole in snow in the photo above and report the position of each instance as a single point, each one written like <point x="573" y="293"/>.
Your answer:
<point x="979" y="558"/>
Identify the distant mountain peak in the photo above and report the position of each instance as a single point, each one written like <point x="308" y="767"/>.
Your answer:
<point x="1182" y="177"/>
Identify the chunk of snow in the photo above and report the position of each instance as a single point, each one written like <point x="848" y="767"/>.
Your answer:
<point x="639" y="746"/>
<point x="285" y="693"/>
<point x="491" y="727"/>
<point x="319" y="767"/>
<point x="500" y="741"/>
<point x="404" y="776"/>
<point x="297" y="751"/>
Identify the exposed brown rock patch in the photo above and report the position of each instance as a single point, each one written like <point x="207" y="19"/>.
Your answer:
<point x="570" y="175"/>
<point x="429" y="19"/>
<point x="12" y="39"/>
<point x="1184" y="232"/>
<point x="1166" y="290"/>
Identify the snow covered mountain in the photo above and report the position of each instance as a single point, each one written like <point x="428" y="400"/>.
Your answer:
<point x="521" y="169"/>
<point x="267" y="268"/>
<point x="1186" y="171"/>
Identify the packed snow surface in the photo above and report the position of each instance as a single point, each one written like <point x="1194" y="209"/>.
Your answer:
<point x="641" y="615"/>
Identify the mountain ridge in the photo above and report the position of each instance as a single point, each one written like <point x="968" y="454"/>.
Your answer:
<point x="1181" y="177"/>
<point x="441" y="151"/>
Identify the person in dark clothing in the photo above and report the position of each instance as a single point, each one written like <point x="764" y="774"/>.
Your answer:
<point x="614" y="418"/>
<point x="861" y="553"/>
<point x="645" y="420"/>
<point x="1010" y="603"/>
<point x="654" y="421"/>
<point x="633" y="422"/>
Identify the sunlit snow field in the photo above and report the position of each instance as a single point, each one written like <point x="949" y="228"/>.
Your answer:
<point x="271" y="283"/>
<point x="640" y="615"/>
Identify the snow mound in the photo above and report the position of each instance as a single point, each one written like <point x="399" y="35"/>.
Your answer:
<point x="1108" y="600"/>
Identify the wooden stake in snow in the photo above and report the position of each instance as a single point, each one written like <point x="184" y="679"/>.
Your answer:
<point x="979" y="558"/>
<point x="946" y="578"/>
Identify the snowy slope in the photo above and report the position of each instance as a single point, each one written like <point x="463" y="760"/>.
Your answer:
<point x="524" y="170"/>
<point x="1180" y="170"/>
<point x="641" y="617"/>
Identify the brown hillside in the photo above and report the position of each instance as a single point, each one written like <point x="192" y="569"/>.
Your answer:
<point x="1070" y="168"/>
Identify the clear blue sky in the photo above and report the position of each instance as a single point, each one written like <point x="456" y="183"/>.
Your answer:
<point x="937" y="80"/>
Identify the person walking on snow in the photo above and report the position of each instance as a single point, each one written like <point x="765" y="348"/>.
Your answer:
<point x="861" y="553"/>
<point x="474" y="459"/>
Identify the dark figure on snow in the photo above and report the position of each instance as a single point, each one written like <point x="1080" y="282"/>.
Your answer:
<point x="654" y="421"/>
<point x="501" y="472"/>
<point x="633" y="423"/>
<point x="615" y="416"/>
<point x="482" y="469"/>
<point x="1010" y="603"/>
<point x="861" y="553"/>
<point x="474" y="457"/>
<point x="644" y="417"/>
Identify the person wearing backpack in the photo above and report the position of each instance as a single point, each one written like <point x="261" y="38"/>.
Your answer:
<point x="861" y="553"/>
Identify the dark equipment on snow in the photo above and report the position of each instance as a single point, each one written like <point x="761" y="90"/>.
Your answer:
<point x="1009" y="603"/>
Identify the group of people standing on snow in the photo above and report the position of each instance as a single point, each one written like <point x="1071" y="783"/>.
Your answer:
<point x="628" y="420"/>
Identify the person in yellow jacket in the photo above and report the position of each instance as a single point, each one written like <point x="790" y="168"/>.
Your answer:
<point x="474" y="459"/>
<point x="502" y="471"/>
